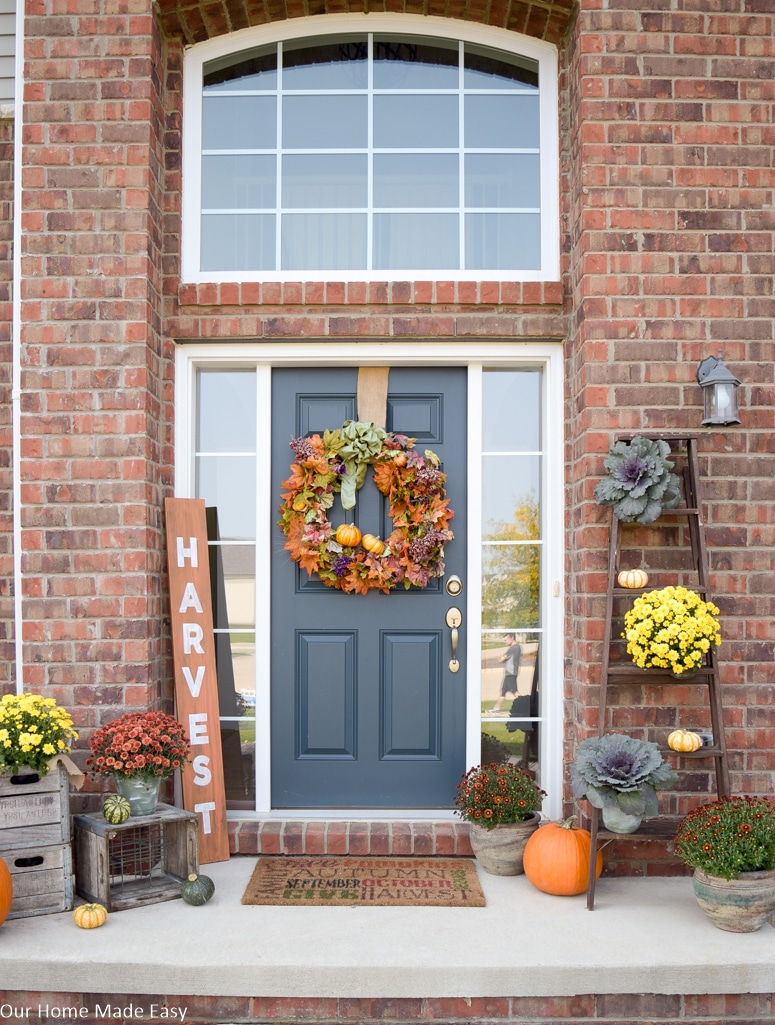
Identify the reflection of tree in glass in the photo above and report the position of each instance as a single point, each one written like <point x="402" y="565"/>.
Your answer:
<point x="512" y="573"/>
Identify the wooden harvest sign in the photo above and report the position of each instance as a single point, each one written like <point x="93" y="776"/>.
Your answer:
<point x="196" y="685"/>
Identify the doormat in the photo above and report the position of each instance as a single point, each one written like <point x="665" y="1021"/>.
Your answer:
<point x="378" y="882"/>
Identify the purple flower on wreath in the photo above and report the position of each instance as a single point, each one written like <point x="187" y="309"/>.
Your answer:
<point x="340" y="564"/>
<point x="302" y="449"/>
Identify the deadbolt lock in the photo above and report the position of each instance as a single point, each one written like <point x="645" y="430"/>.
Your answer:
<point x="454" y="585"/>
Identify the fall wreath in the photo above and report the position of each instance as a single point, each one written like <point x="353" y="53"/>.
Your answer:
<point x="341" y="556"/>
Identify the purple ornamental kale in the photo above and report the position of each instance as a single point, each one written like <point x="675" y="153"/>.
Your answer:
<point x="619" y="770"/>
<point x="639" y="483"/>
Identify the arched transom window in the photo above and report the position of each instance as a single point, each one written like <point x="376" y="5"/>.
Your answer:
<point x="371" y="154"/>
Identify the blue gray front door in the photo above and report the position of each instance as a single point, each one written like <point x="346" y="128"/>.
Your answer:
<point x="366" y="712"/>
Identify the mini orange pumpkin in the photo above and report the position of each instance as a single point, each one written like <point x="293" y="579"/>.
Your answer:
<point x="684" y="740"/>
<point x="373" y="544"/>
<point x="556" y="858"/>
<point x="633" y="578"/>
<point x="6" y="891"/>
<point x="347" y="534"/>
<point x="90" y="916"/>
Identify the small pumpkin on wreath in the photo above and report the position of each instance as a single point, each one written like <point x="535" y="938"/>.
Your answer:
<point x="417" y="506"/>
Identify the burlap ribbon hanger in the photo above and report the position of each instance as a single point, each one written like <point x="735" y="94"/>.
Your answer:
<point x="372" y="395"/>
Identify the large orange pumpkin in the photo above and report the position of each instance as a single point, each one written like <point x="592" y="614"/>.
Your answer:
<point x="6" y="891"/>
<point x="557" y="858"/>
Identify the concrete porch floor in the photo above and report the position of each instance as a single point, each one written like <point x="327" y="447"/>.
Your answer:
<point x="646" y="935"/>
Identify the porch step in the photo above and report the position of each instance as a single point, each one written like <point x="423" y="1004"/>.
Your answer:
<point x="358" y="837"/>
<point x="640" y="855"/>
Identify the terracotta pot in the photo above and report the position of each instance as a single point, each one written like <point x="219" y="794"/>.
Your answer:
<point x="736" y="905"/>
<point x="500" y="850"/>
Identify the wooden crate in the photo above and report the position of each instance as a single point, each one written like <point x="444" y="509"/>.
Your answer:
<point x="42" y="879"/>
<point x="142" y="861"/>
<point x="34" y="811"/>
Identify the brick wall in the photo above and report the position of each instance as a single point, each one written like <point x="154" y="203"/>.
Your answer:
<point x="627" y="1009"/>
<point x="668" y="152"/>
<point x="96" y="416"/>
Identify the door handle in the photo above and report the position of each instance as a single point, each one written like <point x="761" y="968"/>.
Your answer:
<point x="454" y="619"/>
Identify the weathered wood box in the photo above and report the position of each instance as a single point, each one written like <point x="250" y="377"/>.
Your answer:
<point x="34" y="811"/>
<point x="142" y="861"/>
<point x="42" y="879"/>
<point x="35" y="840"/>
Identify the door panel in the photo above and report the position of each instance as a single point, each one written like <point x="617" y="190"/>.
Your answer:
<point x="365" y="711"/>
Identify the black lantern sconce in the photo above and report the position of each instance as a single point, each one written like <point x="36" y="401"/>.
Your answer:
<point x="719" y="392"/>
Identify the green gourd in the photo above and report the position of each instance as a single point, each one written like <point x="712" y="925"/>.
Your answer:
<point x="196" y="889"/>
<point x="116" y="809"/>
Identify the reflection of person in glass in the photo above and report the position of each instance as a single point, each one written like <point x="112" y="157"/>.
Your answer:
<point x="510" y="658"/>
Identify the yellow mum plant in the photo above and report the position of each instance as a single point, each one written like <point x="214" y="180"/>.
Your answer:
<point x="32" y="730"/>
<point x="671" y="628"/>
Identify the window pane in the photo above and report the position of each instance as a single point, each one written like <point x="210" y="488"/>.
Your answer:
<point x="333" y="64"/>
<point x="325" y="180"/>
<point x="325" y="122"/>
<point x="233" y="568"/>
<point x="238" y="242"/>
<point x="229" y="483"/>
<point x="323" y="241"/>
<point x="485" y="71"/>
<point x="239" y="122"/>
<point x="258" y="71"/>
<point x="503" y="241"/>
<point x="510" y="488"/>
<point x="510" y="586"/>
<point x="416" y="179"/>
<point x="421" y="241"/>
<point x="502" y="122"/>
<point x="226" y="400"/>
<point x="415" y="121"/>
<point x="509" y="732"/>
<point x="410" y="62"/>
<point x="503" y="179"/>
<point x="504" y="394"/>
<point x="238" y="181"/>
<point x="238" y="743"/>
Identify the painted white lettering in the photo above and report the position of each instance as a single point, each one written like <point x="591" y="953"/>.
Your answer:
<point x="204" y="810"/>
<point x="192" y="638"/>
<point x="201" y="767"/>
<point x="190" y="600"/>
<point x="187" y="553"/>
<point x="194" y="685"/>
<point x="197" y="728"/>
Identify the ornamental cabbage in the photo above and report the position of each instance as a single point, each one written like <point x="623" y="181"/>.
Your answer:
<point x="639" y="484"/>
<point x="617" y="770"/>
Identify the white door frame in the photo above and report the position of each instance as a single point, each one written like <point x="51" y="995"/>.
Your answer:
<point x="475" y="354"/>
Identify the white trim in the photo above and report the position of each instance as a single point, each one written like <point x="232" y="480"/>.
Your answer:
<point x="16" y="345"/>
<point x="320" y="25"/>
<point x="475" y="354"/>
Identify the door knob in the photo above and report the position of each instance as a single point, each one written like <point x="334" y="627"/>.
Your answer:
<point x="454" y="619"/>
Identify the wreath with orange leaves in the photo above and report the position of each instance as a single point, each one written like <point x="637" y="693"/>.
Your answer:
<point x="418" y="508"/>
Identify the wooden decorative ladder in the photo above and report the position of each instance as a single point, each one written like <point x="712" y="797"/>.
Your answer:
<point x="619" y="670"/>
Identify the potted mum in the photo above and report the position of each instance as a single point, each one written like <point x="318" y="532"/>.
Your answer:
<point x="672" y="628"/>
<point x="620" y="775"/>
<point x="500" y="803"/>
<point x="33" y="731"/>
<point x="730" y="844"/>
<point x="139" y="750"/>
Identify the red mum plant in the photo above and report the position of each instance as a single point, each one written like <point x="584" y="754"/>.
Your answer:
<point x="729" y="836"/>
<point x="494" y="795"/>
<point x="139" y="745"/>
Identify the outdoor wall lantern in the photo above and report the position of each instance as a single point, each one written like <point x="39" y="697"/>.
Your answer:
<point x="719" y="391"/>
